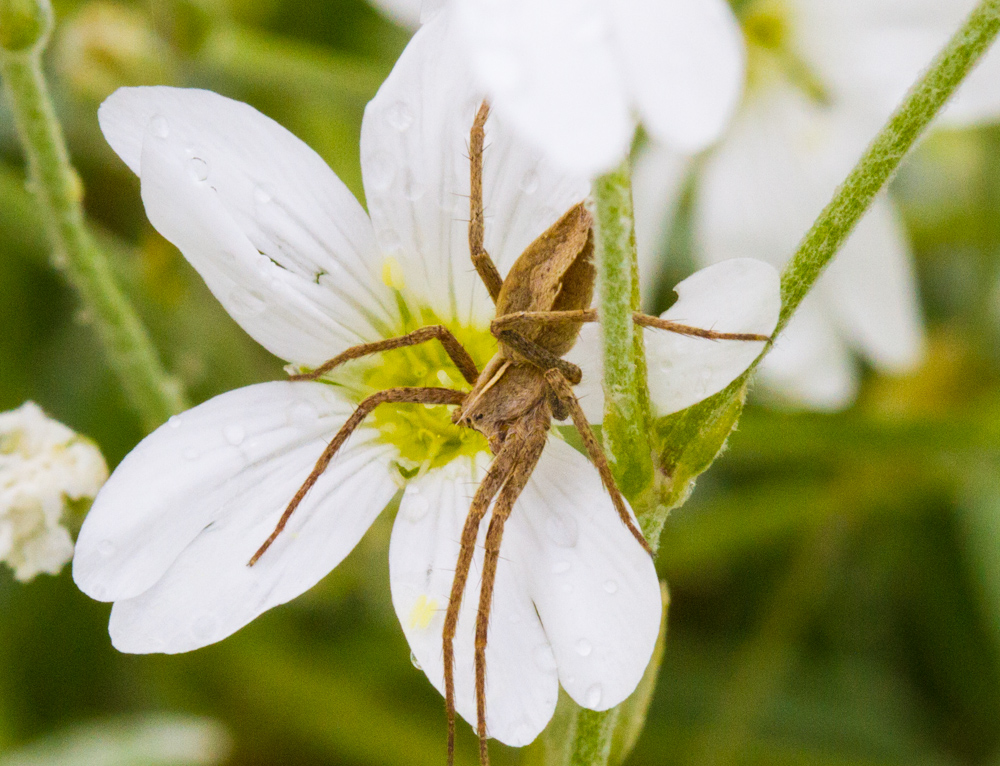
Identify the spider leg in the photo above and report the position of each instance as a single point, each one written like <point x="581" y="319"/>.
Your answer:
<point x="480" y="258"/>
<point x="456" y="351"/>
<point x="415" y="395"/>
<point x="530" y="443"/>
<point x="497" y="474"/>
<point x="539" y="356"/>
<point x="520" y="319"/>
<point x="561" y="388"/>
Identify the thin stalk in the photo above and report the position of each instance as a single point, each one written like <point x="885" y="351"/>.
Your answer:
<point x="626" y="414"/>
<point x="153" y="394"/>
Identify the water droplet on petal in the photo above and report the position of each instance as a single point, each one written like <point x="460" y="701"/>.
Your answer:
<point x="544" y="658"/>
<point x="245" y="303"/>
<point x="174" y="421"/>
<point x="380" y="171"/>
<point x="561" y="566"/>
<point x="106" y="548"/>
<point x="414" y="191"/>
<point x="234" y="434"/>
<point x="416" y="507"/>
<point x="399" y="116"/>
<point x="583" y="647"/>
<point x="414" y="662"/>
<point x="562" y="530"/>
<point x="610" y="586"/>
<point x="593" y="697"/>
<point x="204" y="627"/>
<point x="198" y="169"/>
<point x="303" y="414"/>
<point x="191" y="454"/>
<point x="261" y="195"/>
<point x="529" y="183"/>
<point x="159" y="126"/>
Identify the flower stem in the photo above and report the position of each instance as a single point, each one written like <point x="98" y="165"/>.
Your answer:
<point x="154" y="395"/>
<point x="626" y="413"/>
<point x="885" y="153"/>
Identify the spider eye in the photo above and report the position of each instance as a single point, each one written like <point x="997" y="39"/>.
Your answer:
<point x="478" y="416"/>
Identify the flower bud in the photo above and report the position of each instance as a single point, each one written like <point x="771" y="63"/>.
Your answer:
<point x="24" y="24"/>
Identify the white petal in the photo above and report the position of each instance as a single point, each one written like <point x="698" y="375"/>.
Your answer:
<point x="551" y="69"/>
<point x="872" y="52"/>
<point x="595" y="588"/>
<point x="414" y="158"/>
<point x="587" y="354"/>
<point x="684" y="63"/>
<point x="809" y="365"/>
<point x="742" y="295"/>
<point x="277" y="237"/>
<point x="871" y="291"/>
<point x="657" y="185"/>
<point x="171" y="532"/>
<point x="521" y="683"/>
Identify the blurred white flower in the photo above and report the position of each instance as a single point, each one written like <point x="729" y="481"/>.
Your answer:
<point x="572" y="76"/>
<point x="296" y="261"/>
<point x="43" y="464"/>
<point x="823" y="77"/>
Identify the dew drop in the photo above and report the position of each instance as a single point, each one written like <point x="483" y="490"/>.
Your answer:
<point x="529" y="182"/>
<point x="561" y="566"/>
<point x="562" y="531"/>
<point x="610" y="586"/>
<point x="583" y="647"/>
<point x="544" y="658"/>
<point x="159" y="126"/>
<point x="414" y="191"/>
<point x="414" y="661"/>
<point x="380" y="171"/>
<point x="416" y="507"/>
<point x="190" y="454"/>
<point x="593" y="698"/>
<point x="234" y="434"/>
<point x="106" y="548"/>
<point x="399" y="116"/>
<point x="246" y="303"/>
<point x="198" y="168"/>
<point x="174" y="421"/>
<point x="302" y="414"/>
<point x="261" y="196"/>
<point x="204" y="627"/>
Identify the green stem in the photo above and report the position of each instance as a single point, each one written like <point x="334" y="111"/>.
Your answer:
<point x="885" y="153"/>
<point x="626" y="413"/>
<point x="153" y="394"/>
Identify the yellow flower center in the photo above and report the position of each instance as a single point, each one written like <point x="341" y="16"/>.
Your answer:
<point x="423" y="434"/>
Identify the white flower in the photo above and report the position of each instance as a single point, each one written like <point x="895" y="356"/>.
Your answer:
<point x="824" y="76"/>
<point x="572" y="76"/>
<point x="43" y="464"/>
<point x="295" y="260"/>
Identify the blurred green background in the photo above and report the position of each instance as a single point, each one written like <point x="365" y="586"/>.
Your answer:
<point x="835" y="579"/>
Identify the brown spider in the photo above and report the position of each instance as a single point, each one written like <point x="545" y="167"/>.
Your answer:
<point x="540" y="306"/>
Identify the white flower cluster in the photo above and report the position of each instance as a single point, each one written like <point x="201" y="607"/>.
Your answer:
<point x="43" y="464"/>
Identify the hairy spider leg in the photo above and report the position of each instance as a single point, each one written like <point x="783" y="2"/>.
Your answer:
<point x="455" y="350"/>
<point x="499" y="470"/>
<point x="561" y="388"/>
<point x="530" y="435"/>
<point x="397" y="395"/>
<point x="536" y="318"/>
<point x="480" y="258"/>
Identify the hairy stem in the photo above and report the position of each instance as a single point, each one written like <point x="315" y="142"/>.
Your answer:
<point x="626" y="413"/>
<point x="154" y="395"/>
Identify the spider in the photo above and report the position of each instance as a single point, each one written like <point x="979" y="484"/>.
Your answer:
<point x="540" y="307"/>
